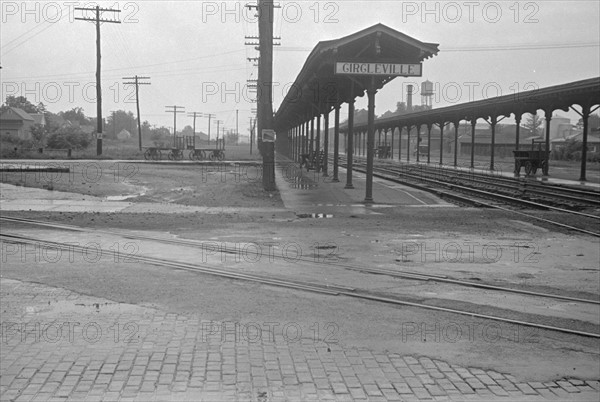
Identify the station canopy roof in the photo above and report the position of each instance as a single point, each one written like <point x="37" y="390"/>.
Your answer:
<point x="554" y="97"/>
<point x="317" y="88"/>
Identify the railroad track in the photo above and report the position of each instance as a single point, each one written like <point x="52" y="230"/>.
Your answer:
<point x="473" y="196"/>
<point x="572" y="198"/>
<point x="327" y="289"/>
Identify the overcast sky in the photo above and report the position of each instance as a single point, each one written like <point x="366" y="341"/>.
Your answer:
<point x="195" y="54"/>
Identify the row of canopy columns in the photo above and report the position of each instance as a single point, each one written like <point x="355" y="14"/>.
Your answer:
<point x="358" y="142"/>
<point x="306" y="139"/>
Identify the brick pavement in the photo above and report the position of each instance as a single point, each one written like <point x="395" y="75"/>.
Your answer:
<point x="60" y="345"/>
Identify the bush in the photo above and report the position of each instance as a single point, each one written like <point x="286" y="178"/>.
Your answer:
<point x="9" y="138"/>
<point x="38" y="134"/>
<point x="13" y="140"/>
<point x="68" y="137"/>
<point x="593" y="157"/>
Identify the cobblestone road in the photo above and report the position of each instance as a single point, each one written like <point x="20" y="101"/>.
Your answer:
<point x="59" y="345"/>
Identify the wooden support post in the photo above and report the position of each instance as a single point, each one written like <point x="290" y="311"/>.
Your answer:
<point x="370" y="140"/>
<point x="392" y="146"/>
<point x="442" y="142"/>
<point x="325" y="142"/>
<point x="517" y="129"/>
<point x="418" y="140"/>
<point x="548" y="114"/>
<point x="311" y="145"/>
<point x="429" y="142"/>
<point x="350" y="139"/>
<point x="400" y="143"/>
<point x="336" y="143"/>
<point x="494" y="121"/>
<point x="408" y="128"/>
<point x="456" y="125"/>
<point x="473" y="124"/>
<point x="318" y="143"/>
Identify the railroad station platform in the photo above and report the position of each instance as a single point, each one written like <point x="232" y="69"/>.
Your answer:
<point x="310" y="192"/>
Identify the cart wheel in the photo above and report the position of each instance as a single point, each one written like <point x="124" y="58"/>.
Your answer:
<point x="147" y="154"/>
<point x="191" y="155"/>
<point x="221" y="156"/>
<point x="545" y="168"/>
<point x="171" y="156"/>
<point x="157" y="155"/>
<point x="529" y="168"/>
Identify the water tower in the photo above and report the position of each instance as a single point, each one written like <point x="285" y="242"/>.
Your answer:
<point x="427" y="94"/>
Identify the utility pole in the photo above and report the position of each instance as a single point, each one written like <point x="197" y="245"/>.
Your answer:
<point x="175" y="111"/>
<point x="265" y="96"/>
<point x="98" y="20"/>
<point x="137" y="100"/>
<point x="252" y="127"/>
<point x="237" y="132"/>
<point x="194" y="114"/>
<point x="209" y="115"/>
<point x="218" y="122"/>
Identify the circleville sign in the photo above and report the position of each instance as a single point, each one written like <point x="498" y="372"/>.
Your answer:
<point x="354" y="68"/>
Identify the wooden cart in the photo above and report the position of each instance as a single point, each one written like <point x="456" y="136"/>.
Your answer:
<point x="531" y="160"/>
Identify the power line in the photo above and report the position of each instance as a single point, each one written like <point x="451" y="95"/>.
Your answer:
<point x="46" y="21"/>
<point x="70" y="75"/>
<point x="524" y="46"/>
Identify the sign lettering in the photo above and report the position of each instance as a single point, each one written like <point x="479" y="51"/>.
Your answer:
<point x="350" y="68"/>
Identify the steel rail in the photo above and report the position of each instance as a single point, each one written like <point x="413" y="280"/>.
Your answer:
<point x="489" y="194"/>
<point x="399" y="274"/>
<point x="492" y="195"/>
<point x="509" y="198"/>
<point x="309" y="287"/>
<point x="523" y="188"/>
<point x="498" y="178"/>
<point x="180" y="265"/>
<point x="506" y="181"/>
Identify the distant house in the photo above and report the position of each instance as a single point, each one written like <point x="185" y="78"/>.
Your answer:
<point x="39" y="118"/>
<point x="593" y="141"/>
<point x="504" y="141"/>
<point x="16" y="122"/>
<point x="58" y="121"/>
<point x="124" y="135"/>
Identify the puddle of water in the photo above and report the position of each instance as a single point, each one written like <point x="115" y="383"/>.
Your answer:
<point x="119" y="197"/>
<point x="66" y="306"/>
<point x="317" y="216"/>
<point x="304" y="186"/>
<point x="301" y="183"/>
<point x="123" y="197"/>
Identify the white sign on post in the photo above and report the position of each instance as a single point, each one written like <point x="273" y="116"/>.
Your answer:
<point x="268" y="135"/>
<point x="353" y="68"/>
